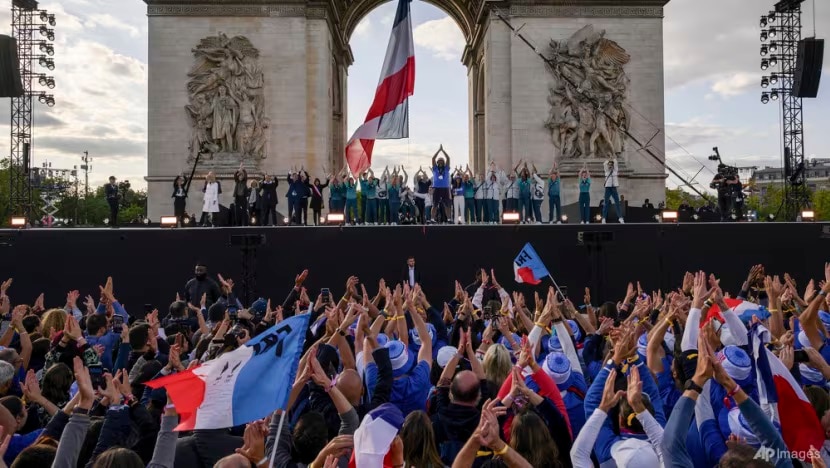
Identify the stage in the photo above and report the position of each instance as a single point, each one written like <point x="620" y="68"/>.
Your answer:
<point x="150" y="265"/>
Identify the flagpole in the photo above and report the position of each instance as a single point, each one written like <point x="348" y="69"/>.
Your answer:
<point x="276" y="440"/>
<point x="556" y="286"/>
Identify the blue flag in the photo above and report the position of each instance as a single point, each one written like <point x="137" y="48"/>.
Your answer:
<point x="528" y="267"/>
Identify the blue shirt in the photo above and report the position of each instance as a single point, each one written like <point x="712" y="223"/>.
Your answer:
<point x="469" y="189"/>
<point x="394" y="193"/>
<point x="553" y="188"/>
<point x="441" y="178"/>
<point x="351" y="192"/>
<point x="19" y="443"/>
<point x="524" y="188"/>
<point x="370" y="189"/>
<point x="410" y="393"/>
<point x="336" y="191"/>
<point x="109" y="341"/>
<point x="585" y="185"/>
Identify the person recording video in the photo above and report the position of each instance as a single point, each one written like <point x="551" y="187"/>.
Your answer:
<point x="724" y="181"/>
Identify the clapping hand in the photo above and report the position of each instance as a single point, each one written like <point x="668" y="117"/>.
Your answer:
<point x="610" y="398"/>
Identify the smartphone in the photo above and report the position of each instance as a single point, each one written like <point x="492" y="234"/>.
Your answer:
<point x="801" y="356"/>
<point x="232" y="313"/>
<point x="96" y="375"/>
<point x="488" y="313"/>
<point x="117" y="323"/>
<point x="326" y="294"/>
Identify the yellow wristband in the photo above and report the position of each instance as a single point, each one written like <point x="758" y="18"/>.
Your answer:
<point x="772" y="311"/>
<point x="501" y="452"/>
<point x="540" y="324"/>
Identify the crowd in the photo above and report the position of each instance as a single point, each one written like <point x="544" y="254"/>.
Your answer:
<point x="439" y="195"/>
<point x="690" y="378"/>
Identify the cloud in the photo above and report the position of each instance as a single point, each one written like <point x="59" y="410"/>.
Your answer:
<point x="363" y="28"/>
<point x="441" y="37"/>
<point x="110" y="22"/>
<point x="735" y="84"/>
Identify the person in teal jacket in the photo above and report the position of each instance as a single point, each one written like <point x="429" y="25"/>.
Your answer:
<point x="351" y="202"/>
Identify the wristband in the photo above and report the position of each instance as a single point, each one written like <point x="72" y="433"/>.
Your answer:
<point x="772" y="311"/>
<point x="822" y="293"/>
<point x="501" y="452"/>
<point x="540" y="324"/>
<point x="169" y="407"/>
<point x="734" y="391"/>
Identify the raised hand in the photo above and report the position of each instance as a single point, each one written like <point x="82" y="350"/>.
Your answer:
<point x="635" y="390"/>
<point x="610" y="398"/>
<point x="38" y="306"/>
<point x="587" y="297"/>
<point x="5" y="285"/>
<point x="84" y="383"/>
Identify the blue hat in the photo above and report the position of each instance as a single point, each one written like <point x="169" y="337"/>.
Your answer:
<point x="382" y="339"/>
<point x="503" y="341"/>
<point x="736" y="363"/>
<point x="575" y="330"/>
<point x="642" y="344"/>
<point x="259" y="306"/>
<point x="403" y="360"/>
<point x="810" y="376"/>
<point x="554" y="344"/>
<point x="558" y="367"/>
<point x="415" y="340"/>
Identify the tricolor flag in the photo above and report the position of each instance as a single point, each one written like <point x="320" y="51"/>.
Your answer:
<point x="388" y="118"/>
<point x="243" y="385"/>
<point x="528" y="267"/>
<point x="743" y="309"/>
<point x="782" y="397"/>
<point x="374" y="437"/>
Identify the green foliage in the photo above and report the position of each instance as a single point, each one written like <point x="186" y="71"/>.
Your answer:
<point x="675" y="197"/>
<point x="821" y="204"/>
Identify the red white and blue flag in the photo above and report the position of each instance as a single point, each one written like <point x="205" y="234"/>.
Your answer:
<point x="745" y="310"/>
<point x="782" y="398"/>
<point x="240" y="386"/>
<point x="528" y="267"/>
<point x="388" y="118"/>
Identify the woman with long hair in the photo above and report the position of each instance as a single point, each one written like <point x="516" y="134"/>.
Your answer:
<point x="419" y="450"/>
<point x="179" y="198"/>
<point x="497" y="365"/>
<point x="529" y="436"/>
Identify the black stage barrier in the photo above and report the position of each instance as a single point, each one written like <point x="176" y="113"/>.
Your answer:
<point x="150" y="265"/>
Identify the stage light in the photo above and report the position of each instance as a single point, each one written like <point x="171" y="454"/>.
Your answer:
<point x="44" y="15"/>
<point x="253" y="220"/>
<point x="808" y="215"/>
<point x="770" y="217"/>
<point x="773" y="95"/>
<point x="658" y="218"/>
<point x="764" y="50"/>
<point x="763" y="22"/>
<point x="335" y="218"/>
<point x="696" y="217"/>
<point x="52" y="21"/>
<point x="564" y="219"/>
<point x="670" y="216"/>
<point x="764" y="35"/>
<point x="187" y="219"/>
<point x="285" y="220"/>
<point x="773" y="61"/>
<point x="106" y="220"/>
<point x="734" y="217"/>
<point x="50" y="82"/>
<point x="598" y="218"/>
<point x="765" y="82"/>
<point x="764" y="97"/>
<point x="169" y="221"/>
<point x="773" y="46"/>
<point x="47" y="48"/>
<point x="18" y="221"/>
<point x="50" y="101"/>
<point x="771" y="17"/>
<point x="764" y="64"/>
<point x="146" y="221"/>
<point x="773" y="79"/>
<point x="42" y="80"/>
<point x="511" y="218"/>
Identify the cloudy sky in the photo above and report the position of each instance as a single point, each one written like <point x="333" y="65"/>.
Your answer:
<point x="712" y="87"/>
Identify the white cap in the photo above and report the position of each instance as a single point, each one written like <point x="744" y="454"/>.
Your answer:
<point x="634" y="453"/>
<point x="444" y="355"/>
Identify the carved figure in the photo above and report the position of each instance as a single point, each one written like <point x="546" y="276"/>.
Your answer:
<point x="588" y="117"/>
<point x="226" y="99"/>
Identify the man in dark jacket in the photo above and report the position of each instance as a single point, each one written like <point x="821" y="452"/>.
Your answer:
<point x="111" y="191"/>
<point x="410" y="274"/>
<point x="269" y="200"/>
<point x="200" y="284"/>
<point x="456" y="414"/>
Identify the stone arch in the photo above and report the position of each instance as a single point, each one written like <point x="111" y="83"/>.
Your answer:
<point x="459" y="10"/>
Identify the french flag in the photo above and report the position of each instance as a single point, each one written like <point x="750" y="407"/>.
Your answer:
<point x="783" y="399"/>
<point x="528" y="267"/>
<point x="240" y="386"/>
<point x="743" y="309"/>
<point x="388" y="118"/>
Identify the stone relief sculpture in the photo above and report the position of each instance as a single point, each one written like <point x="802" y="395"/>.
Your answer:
<point x="588" y="118"/>
<point x="226" y="100"/>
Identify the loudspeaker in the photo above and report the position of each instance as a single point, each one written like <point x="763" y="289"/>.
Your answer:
<point x="10" y="84"/>
<point x="808" y="68"/>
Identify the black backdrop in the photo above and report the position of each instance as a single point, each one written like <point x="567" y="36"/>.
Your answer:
<point x="150" y="265"/>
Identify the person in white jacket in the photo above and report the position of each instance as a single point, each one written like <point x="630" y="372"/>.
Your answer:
<point x="492" y="195"/>
<point x="480" y="201"/>
<point x="210" y="206"/>
<point x="612" y="183"/>
<point x="427" y="198"/>
<point x="537" y="195"/>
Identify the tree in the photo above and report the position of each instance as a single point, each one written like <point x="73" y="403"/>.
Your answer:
<point x="821" y="204"/>
<point x="675" y="197"/>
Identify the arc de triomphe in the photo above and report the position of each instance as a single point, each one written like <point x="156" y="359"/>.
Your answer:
<point x="264" y="82"/>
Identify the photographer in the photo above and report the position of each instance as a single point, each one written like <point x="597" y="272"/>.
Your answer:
<point x="723" y="182"/>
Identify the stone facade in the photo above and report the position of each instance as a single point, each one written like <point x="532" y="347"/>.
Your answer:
<point x="305" y="56"/>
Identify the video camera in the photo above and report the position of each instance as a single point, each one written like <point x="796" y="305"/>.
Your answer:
<point x="724" y="172"/>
